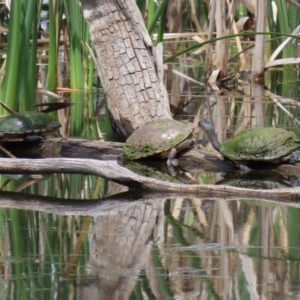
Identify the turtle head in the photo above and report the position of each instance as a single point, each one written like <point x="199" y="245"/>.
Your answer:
<point x="209" y="129"/>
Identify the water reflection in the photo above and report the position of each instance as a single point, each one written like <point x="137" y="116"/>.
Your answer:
<point x="151" y="246"/>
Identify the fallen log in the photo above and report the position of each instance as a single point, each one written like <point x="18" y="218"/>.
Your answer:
<point x="112" y="170"/>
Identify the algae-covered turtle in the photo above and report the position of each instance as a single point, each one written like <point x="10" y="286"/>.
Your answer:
<point x="163" y="137"/>
<point x="29" y="126"/>
<point x="254" y="146"/>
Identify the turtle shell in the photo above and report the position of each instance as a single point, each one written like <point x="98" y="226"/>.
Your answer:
<point x="158" y="138"/>
<point x="41" y="122"/>
<point x="260" y="144"/>
<point x="26" y="124"/>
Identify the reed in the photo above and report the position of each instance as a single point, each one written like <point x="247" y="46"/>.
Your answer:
<point x="13" y="51"/>
<point x="156" y="13"/>
<point x="47" y="243"/>
<point x="55" y="22"/>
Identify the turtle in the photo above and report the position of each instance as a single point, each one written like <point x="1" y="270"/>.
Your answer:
<point x="252" y="147"/>
<point x="27" y="126"/>
<point x="161" y="138"/>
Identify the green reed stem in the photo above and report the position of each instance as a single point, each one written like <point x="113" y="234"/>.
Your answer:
<point x="141" y="5"/>
<point x="27" y="74"/>
<point x="287" y="24"/>
<point x="16" y="248"/>
<point x="161" y="275"/>
<point x="75" y="22"/>
<point x="55" y="15"/>
<point x="161" y="26"/>
<point x="12" y="62"/>
<point x="20" y="73"/>
<point x="156" y="14"/>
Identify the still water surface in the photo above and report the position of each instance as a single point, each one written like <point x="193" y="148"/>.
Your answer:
<point x="149" y="247"/>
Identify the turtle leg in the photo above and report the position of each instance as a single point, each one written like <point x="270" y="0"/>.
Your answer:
<point x="172" y="162"/>
<point x="294" y="157"/>
<point x="238" y="164"/>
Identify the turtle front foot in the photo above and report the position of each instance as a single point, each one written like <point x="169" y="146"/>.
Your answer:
<point x="172" y="162"/>
<point x="294" y="157"/>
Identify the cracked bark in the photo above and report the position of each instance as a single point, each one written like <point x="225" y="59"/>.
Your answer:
<point x="129" y="66"/>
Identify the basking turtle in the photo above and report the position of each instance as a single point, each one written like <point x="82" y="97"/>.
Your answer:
<point x="257" y="145"/>
<point x="163" y="138"/>
<point x="28" y="126"/>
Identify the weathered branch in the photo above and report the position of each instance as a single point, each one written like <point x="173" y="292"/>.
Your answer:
<point x="115" y="172"/>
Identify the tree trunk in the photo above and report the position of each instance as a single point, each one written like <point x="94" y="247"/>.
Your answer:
<point x="129" y="66"/>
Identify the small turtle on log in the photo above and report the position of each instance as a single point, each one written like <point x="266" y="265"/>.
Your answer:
<point x="27" y="126"/>
<point x="163" y="138"/>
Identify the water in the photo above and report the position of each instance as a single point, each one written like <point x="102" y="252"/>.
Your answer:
<point x="170" y="247"/>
